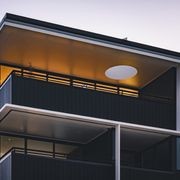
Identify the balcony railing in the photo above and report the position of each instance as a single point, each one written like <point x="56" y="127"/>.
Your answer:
<point x="41" y="153"/>
<point x="72" y="95"/>
<point x="86" y="84"/>
<point x="37" y="166"/>
<point x="40" y="165"/>
<point x="78" y="82"/>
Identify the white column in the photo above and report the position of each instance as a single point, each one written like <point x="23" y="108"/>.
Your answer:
<point x="178" y="98"/>
<point x="117" y="152"/>
<point x="178" y="115"/>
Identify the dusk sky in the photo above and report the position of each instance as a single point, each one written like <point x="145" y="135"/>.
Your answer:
<point x="152" y="22"/>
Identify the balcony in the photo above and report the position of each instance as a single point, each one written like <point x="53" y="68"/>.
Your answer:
<point x="75" y="154"/>
<point x="76" y="96"/>
<point x="37" y="148"/>
<point x="20" y="165"/>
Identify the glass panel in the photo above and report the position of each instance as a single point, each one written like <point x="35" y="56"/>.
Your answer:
<point x="39" y="145"/>
<point x="8" y="142"/>
<point x="64" y="149"/>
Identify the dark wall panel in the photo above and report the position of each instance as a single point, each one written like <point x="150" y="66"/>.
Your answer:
<point x="28" y="167"/>
<point x="159" y="156"/>
<point x="5" y="92"/>
<point x="98" y="150"/>
<point x="164" y="86"/>
<point x="40" y="94"/>
<point x="5" y="169"/>
<point x="144" y="174"/>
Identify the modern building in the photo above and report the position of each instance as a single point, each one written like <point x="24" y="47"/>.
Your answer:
<point x="76" y="105"/>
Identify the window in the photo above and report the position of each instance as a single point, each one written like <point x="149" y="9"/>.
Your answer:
<point x="39" y="148"/>
<point x="8" y="142"/>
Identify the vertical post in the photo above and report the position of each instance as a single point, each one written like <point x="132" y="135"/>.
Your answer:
<point x="178" y="98"/>
<point x="47" y="75"/>
<point x="117" y="152"/>
<point x="25" y="145"/>
<point x="54" y="151"/>
<point x="177" y="146"/>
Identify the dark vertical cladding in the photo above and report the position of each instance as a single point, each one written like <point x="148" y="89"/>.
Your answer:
<point x="6" y="92"/>
<point x="51" y="96"/>
<point x="163" y="86"/>
<point x="31" y="167"/>
<point x="5" y="169"/>
<point x="163" y="156"/>
<point x="98" y="150"/>
<point x="145" y="174"/>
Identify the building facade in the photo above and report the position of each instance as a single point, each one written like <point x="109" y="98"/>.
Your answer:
<point x="80" y="105"/>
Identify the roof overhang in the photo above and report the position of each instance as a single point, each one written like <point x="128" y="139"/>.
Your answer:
<point x="88" y="37"/>
<point x="35" y="44"/>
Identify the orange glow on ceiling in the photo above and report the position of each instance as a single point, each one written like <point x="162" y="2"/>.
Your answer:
<point x="55" y="54"/>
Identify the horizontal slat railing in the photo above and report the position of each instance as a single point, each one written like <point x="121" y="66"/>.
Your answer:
<point x="89" y="84"/>
<point x="86" y="84"/>
<point x="35" y="152"/>
<point x="78" y="82"/>
<point x="40" y="165"/>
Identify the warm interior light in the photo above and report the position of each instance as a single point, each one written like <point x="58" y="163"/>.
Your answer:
<point x="121" y="72"/>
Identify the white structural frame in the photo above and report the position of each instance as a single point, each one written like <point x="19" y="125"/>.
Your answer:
<point x="116" y="124"/>
<point x="178" y="97"/>
<point x="117" y="152"/>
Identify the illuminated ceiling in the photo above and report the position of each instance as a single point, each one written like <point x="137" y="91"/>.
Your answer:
<point x="56" y="54"/>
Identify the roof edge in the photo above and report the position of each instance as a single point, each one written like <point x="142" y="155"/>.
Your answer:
<point x="86" y="34"/>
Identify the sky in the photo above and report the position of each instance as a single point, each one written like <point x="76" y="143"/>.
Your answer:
<point x="151" y="22"/>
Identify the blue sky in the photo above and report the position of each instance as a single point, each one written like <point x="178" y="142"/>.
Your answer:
<point x="152" y="22"/>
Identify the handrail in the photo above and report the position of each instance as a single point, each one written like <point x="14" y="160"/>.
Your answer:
<point x="77" y="82"/>
<point x="64" y="156"/>
<point x="86" y="84"/>
<point x="35" y="152"/>
<point x="42" y="153"/>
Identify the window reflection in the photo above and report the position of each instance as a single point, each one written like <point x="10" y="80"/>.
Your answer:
<point x="39" y="145"/>
<point x="64" y="150"/>
<point x="8" y="142"/>
<point x="35" y="147"/>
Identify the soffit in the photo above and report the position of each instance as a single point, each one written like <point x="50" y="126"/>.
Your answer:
<point x="61" y="55"/>
<point x="22" y="121"/>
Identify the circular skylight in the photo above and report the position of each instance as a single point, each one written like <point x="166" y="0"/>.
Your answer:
<point x="121" y="72"/>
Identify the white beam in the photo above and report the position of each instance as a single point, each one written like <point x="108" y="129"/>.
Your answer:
<point x="117" y="152"/>
<point x="8" y="107"/>
<point x="178" y="98"/>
